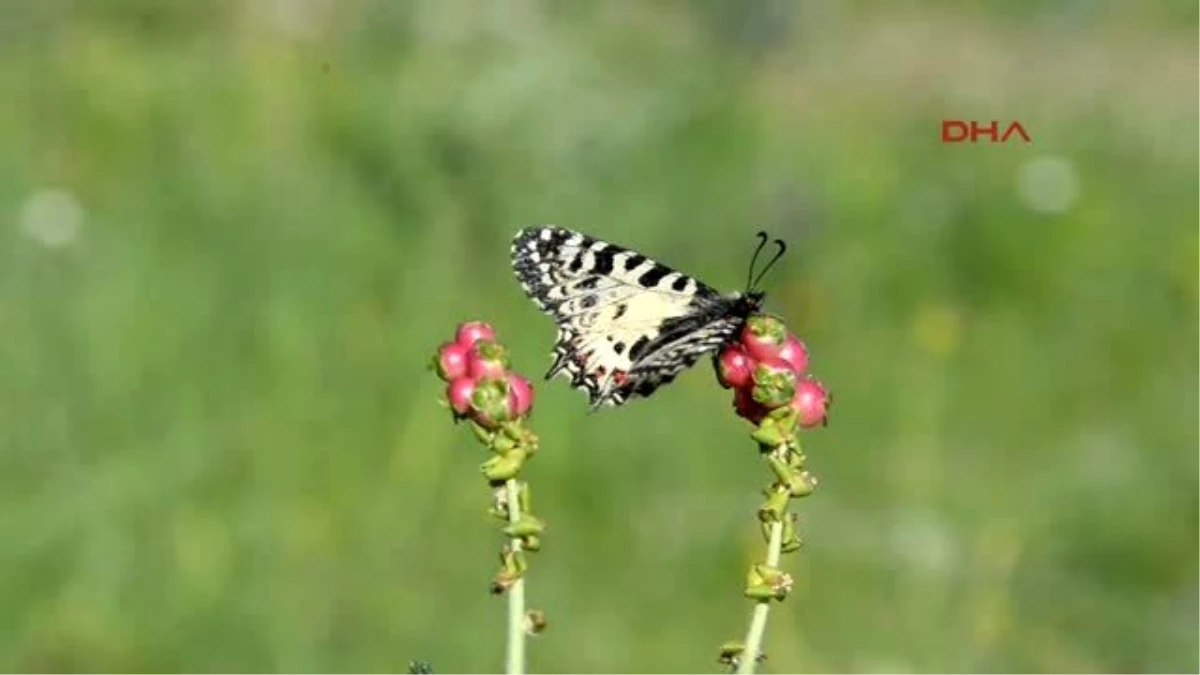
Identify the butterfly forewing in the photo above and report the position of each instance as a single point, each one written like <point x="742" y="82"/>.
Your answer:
<point x="626" y="324"/>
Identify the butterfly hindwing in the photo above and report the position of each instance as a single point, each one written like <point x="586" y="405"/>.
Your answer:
<point x="677" y="349"/>
<point x="626" y="324"/>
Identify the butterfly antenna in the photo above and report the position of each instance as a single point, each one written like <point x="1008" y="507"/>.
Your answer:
<point x="778" y="254"/>
<point x="762" y="241"/>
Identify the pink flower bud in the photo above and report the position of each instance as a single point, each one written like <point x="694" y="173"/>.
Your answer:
<point x="487" y="359"/>
<point x="811" y="402"/>
<point x="763" y="336"/>
<point x="746" y="407"/>
<point x="473" y="331"/>
<point x="459" y="393"/>
<point x="520" y="395"/>
<point x="795" y="353"/>
<point x="491" y="403"/>
<point x="451" y="361"/>
<point x="774" y="382"/>
<point x="734" y="367"/>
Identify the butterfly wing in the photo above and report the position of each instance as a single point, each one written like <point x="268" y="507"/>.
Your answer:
<point x="626" y="324"/>
<point x="682" y="342"/>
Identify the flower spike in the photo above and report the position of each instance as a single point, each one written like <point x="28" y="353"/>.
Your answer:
<point x="767" y="370"/>
<point x="497" y="402"/>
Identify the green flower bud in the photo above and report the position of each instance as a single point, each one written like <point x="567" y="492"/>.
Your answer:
<point x="769" y="434"/>
<point x="731" y="653"/>
<point x="759" y="592"/>
<point x="791" y="541"/>
<point x="490" y="350"/>
<point x="801" y="484"/>
<point x="773" y="509"/>
<point x="774" y="384"/>
<point x="535" y="622"/>
<point x="481" y="433"/>
<point x="504" y="467"/>
<point x="779" y="467"/>
<point x="527" y="525"/>
<point x="502" y="444"/>
<point x="502" y="581"/>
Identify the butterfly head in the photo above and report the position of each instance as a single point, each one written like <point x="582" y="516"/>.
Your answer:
<point x="750" y="302"/>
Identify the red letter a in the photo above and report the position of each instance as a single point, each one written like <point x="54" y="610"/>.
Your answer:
<point x="1016" y="126"/>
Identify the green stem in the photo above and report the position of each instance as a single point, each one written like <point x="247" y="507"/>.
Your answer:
<point x="515" y="661"/>
<point x="758" y="622"/>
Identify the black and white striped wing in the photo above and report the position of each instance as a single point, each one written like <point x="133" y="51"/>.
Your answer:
<point x="626" y="324"/>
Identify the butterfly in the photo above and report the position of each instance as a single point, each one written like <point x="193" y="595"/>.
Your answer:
<point x="627" y="324"/>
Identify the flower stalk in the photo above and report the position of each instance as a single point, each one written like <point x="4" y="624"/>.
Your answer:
<point x="515" y="652"/>
<point x="497" y="402"/>
<point x="766" y="370"/>
<point x="766" y="582"/>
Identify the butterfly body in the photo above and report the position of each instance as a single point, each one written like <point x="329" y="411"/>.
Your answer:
<point x="627" y="324"/>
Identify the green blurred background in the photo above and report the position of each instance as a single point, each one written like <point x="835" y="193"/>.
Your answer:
<point x="233" y="233"/>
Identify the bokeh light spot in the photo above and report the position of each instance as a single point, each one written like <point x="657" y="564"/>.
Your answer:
<point x="1048" y="184"/>
<point x="51" y="217"/>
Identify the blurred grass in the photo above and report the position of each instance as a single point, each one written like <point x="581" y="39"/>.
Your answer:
<point x="235" y="231"/>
